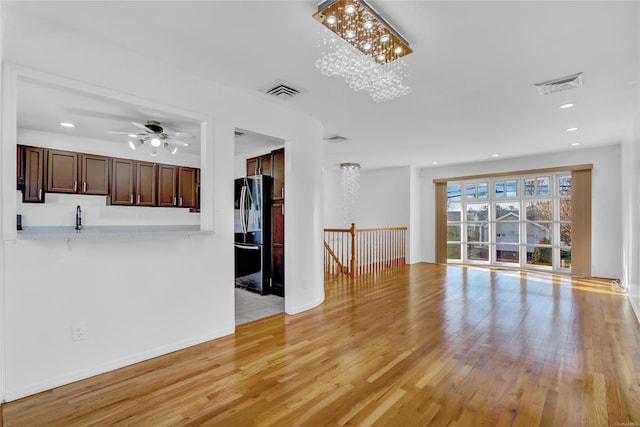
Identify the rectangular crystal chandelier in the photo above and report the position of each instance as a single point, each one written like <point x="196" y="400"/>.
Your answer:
<point x="363" y="48"/>
<point x="357" y="23"/>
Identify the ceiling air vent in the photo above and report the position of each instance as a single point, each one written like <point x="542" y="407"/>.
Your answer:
<point x="337" y="139"/>
<point x="558" y="85"/>
<point x="282" y="91"/>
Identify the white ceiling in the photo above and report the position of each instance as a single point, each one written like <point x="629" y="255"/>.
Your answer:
<point x="472" y="74"/>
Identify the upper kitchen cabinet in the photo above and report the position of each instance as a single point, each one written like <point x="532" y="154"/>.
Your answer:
<point x="260" y="165"/>
<point x="277" y="167"/>
<point x="177" y="186"/>
<point x="32" y="171"/>
<point x="69" y="172"/>
<point x="187" y="182"/>
<point x="145" y="184"/>
<point x="133" y="183"/>
<point x="167" y="185"/>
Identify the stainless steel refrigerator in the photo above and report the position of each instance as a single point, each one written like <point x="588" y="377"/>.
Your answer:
<point x="253" y="233"/>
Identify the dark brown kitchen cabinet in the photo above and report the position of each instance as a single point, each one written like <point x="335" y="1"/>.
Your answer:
<point x="260" y="165"/>
<point x="69" y="172"/>
<point x="177" y="186"/>
<point x="167" y="185"/>
<point x="277" y="172"/>
<point x="145" y="184"/>
<point x="62" y="171"/>
<point x="277" y="249"/>
<point x="133" y="183"/>
<point x="187" y="194"/>
<point x="94" y="175"/>
<point x="122" y="182"/>
<point x="34" y="165"/>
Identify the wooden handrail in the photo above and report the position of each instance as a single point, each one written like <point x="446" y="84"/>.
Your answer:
<point x="334" y="257"/>
<point x="358" y="251"/>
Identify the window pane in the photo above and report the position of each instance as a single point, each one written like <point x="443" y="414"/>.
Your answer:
<point x="565" y="234"/>
<point x="454" y="211"/>
<point x="478" y="252"/>
<point x="543" y="186"/>
<point x="477" y="212"/>
<point x="499" y="189"/>
<point x="508" y="211"/>
<point x="564" y="186"/>
<point x="538" y="255"/>
<point x="478" y="232"/>
<point x="483" y="190"/>
<point x="508" y="253"/>
<point x="565" y="209"/>
<point x="512" y="188"/>
<point x="454" y="251"/>
<point x="539" y="233"/>
<point x="508" y="232"/>
<point x="565" y="258"/>
<point x="453" y="232"/>
<point x="539" y="210"/>
<point x="471" y="191"/>
<point x="454" y="192"/>
<point x="529" y="187"/>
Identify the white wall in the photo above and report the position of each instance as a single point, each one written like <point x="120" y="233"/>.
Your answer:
<point x="630" y="211"/>
<point x="383" y="198"/>
<point x="145" y="296"/>
<point x="606" y="229"/>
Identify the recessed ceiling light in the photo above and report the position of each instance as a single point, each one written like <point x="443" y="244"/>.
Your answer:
<point x="495" y="155"/>
<point x="435" y="163"/>
<point x="575" y="143"/>
<point x="567" y="105"/>
<point x="67" y="125"/>
<point x="572" y="129"/>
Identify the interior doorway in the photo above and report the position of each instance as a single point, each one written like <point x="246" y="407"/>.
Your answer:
<point x="259" y="206"/>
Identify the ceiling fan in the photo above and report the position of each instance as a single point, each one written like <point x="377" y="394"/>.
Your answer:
<point x="154" y="135"/>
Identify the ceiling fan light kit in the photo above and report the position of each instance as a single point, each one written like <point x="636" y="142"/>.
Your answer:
<point x="156" y="136"/>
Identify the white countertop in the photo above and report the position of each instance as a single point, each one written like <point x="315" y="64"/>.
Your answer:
<point x="100" y="232"/>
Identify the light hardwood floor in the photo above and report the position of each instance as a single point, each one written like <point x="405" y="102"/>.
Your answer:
<point x="421" y="345"/>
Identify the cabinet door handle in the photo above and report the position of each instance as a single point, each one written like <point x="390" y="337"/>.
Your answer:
<point x="282" y="209"/>
<point x="174" y="200"/>
<point x="84" y="187"/>
<point x="75" y="186"/>
<point x="40" y="194"/>
<point x="180" y="201"/>
<point x="282" y="193"/>
<point x="138" y="199"/>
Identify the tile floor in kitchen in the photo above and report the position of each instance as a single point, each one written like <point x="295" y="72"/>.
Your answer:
<point x="251" y="306"/>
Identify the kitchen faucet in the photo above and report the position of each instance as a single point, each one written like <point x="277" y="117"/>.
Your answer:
<point x="78" y="218"/>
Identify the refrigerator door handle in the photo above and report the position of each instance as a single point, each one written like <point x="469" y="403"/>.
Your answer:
<point x="250" y="247"/>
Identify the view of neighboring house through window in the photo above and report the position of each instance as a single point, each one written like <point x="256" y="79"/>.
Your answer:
<point x="519" y="221"/>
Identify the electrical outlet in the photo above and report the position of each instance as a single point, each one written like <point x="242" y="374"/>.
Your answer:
<point x="78" y="332"/>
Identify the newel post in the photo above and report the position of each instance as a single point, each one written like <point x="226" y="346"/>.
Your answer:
<point x="352" y="266"/>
